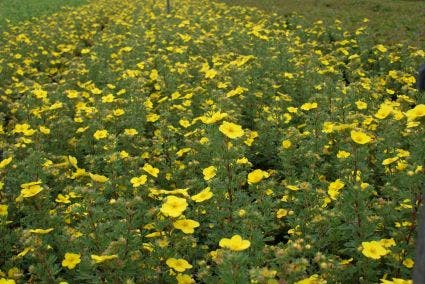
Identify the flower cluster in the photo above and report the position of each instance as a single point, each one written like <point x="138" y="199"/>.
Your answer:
<point x="212" y="144"/>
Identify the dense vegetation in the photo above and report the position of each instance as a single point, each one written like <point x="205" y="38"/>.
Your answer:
<point x="15" y="11"/>
<point x="215" y="144"/>
<point x="389" y="21"/>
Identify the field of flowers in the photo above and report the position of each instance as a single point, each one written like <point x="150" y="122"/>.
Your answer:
<point x="14" y="11"/>
<point x="214" y="144"/>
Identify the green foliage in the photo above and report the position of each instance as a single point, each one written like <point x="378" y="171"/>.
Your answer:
<point x="214" y="144"/>
<point x="383" y="15"/>
<point x="14" y="11"/>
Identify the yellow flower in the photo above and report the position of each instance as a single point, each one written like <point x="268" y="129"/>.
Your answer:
<point x="231" y="130"/>
<point x="337" y="184"/>
<point x="7" y="281"/>
<point x="98" y="178"/>
<point x="73" y="161"/>
<point x="408" y="262"/>
<point x="384" y="111"/>
<point x="138" y="181"/>
<point x="14" y="272"/>
<point x="108" y="98"/>
<point x="118" y="112"/>
<point x="343" y="154"/>
<point x="373" y="249"/>
<point x="360" y="137"/>
<point x="30" y="189"/>
<point x="152" y="117"/>
<point x="44" y="129"/>
<point x="381" y="48"/>
<point x="210" y="74"/>
<point x="286" y="144"/>
<point x="174" y="206"/>
<point x="184" y="279"/>
<point x="124" y="154"/>
<point x="186" y="225"/>
<point x="209" y="172"/>
<point x="213" y="117"/>
<point x="130" y="131"/>
<point x="256" y="176"/>
<point x="23" y="128"/>
<point x="328" y="127"/>
<point x="292" y="109"/>
<point x="151" y="170"/>
<point x="236" y="243"/>
<point x="346" y="261"/>
<point x="5" y="162"/>
<point x="72" y="94"/>
<point x="3" y="210"/>
<point x="417" y="111"/>
<point x="287" y="117"/>
<point x="241" y="213"/>
<point x="388" y="161"/>
<point x="292" y="187"/>
<point x="333" y="193"/>
<point x="402" y="153"/>
<point x="396" y="281"/>
<point x="308" y="106"/>
<point x="203" y="195"/>
<point x="281" y="213"/>
<point x="62" y="198"/>
<point x="242" y="161"/>
<point x="100" y="134"/>
<point x="71" y="260"/>
<point x="41" y="231"/>
<point x="361" y="105"/>
<point x="153" y="75"/>
<point x="313" y="279"/>
<point x="252" y="135"/>
<point x="102" y="258"/>
<point x="179" y="265"/>
<point x="96" y="91"/>
<point x="181" y="152"/>
<point x="238" y="91"/>
<point x="184" y="123"/>
<point x="79" y="173"/>
<point x="334" y="188"/>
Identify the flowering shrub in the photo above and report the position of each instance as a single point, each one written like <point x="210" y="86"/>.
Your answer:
<point x="214" y="144"/>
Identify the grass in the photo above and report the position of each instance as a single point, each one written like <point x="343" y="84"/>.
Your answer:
<point x="391" y="21"/>
<point x="21" y="10"/>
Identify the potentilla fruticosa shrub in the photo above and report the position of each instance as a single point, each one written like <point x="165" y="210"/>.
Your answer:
<point x="214" y="144"/>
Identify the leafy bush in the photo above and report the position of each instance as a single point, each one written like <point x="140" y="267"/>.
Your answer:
<point x="214" y="144"/>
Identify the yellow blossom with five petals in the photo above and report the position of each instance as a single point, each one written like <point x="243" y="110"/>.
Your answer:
<point x="178" y="264"/>
<point x="31" y="189"/>
<point x="209" y="172"/>
<point x="231" y="130"/>
<point x="173" y="206"/>
<point x="138" y="181"/>
<point x="187" y="226"/>
<point x="71" y="260"/>
<point x="236" y="243"/>
<point x="256" y="176"/>
<point x="373" y="249"/>
<point x="360" y="137"/>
